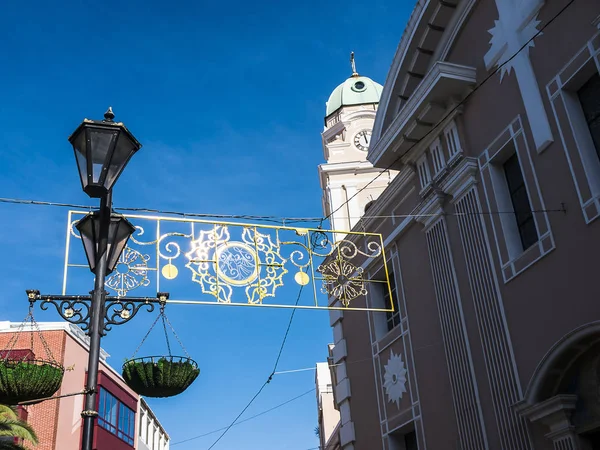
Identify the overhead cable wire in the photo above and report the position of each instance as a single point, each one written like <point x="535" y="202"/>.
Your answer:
<point x="274" y="219"/>
<point x="287" y="331"/>
<point x="462" y="102"/>
<point x="249" y="418"/>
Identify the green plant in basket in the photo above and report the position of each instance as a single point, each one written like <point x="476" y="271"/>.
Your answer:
<point x="22" y="381"/>
<point x="164" y="376"/>
<point x="160" y="376"/>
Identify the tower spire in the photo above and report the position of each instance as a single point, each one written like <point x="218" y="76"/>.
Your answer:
<point x="353" y="64"/>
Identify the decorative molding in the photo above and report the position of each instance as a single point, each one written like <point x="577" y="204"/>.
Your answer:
<point x="463" y="383"/>
<point x="453" y="29"/>
<point x="391" y="80"/>
<point x="513" y="29"/>
<point x="513" y="258"/>
<point x="430" y="210"/>
<point x="556" y="414"/>
<point x="489" y="310"/>
<point x="457" y="79"/>
<point x="394" y="376"/>
<point x="574" y="134"/>
<point x="461" y="179"/>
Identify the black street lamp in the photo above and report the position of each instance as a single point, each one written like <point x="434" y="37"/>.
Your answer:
<point x="102" y="150"/>
<point x="119" y="231"/>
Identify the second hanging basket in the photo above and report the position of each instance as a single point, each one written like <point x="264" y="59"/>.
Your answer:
<point x="23" y="377"/>
<point x="160" y="376"/>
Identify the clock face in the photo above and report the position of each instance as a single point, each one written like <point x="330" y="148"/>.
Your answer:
<point x="362" y="140"/>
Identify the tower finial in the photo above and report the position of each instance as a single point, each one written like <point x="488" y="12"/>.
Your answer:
<point x="353" y="64"/>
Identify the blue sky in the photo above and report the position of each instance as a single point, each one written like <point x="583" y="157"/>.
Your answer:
<point x="228" y="100"/>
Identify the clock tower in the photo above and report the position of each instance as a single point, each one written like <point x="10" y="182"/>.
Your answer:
<point x="350" y="114"/>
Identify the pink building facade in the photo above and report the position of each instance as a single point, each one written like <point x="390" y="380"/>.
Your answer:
<point x="491" y="227"/>
<point x="58" y="423"/>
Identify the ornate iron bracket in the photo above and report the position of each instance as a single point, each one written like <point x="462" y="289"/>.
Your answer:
<point x="76" y="309"/>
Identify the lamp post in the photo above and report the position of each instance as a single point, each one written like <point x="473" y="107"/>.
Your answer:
<point x="102" y="150"/>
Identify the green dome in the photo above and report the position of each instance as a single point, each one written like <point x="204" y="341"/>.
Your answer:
<point x="356" y="90"/>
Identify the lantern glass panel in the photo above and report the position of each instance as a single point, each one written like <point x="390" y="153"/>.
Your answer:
<point x="79" y="145"/>
<point x="124" y="149"/>
<point x="89" y="231"/>
<point x="101" y="142"/>
<point x="118" y="234"/>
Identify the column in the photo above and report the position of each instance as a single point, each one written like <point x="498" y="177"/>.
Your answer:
<point x="493" y="330"/>
<point x="467" y="408"/>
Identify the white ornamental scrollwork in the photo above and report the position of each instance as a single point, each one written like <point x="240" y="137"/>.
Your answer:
<point x="219" y="264"/>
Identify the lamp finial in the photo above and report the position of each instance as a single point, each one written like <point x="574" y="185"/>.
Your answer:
<point x="109" y="115"/>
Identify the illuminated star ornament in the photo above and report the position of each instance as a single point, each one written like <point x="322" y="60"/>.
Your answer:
<point x="394" y="378"/>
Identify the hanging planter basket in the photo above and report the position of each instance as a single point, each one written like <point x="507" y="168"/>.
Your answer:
<point x="24" y="378"/>
<point x="24" y="381"/>
<point x="160" y="376"/>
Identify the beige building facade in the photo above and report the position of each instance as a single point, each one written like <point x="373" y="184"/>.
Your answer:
<point x="491" y="232"/>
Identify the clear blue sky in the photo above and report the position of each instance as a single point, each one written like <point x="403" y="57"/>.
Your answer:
<point x="228" y="100"/>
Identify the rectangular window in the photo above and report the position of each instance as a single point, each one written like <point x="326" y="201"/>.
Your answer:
<point x="410" y="441"/>
<point x="520" y="202"/>
<point x="589" y="97"/>
<point x="115" y="417"/>
<point x="454" y="148"/>
<point x="437" y="155"/>
<point x="403" y="440"/>
<point x="423" y="171"/>
<point x="392" y="318"/>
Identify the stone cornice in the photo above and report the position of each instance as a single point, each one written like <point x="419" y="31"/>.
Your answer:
<point x="461" y="179"/>
<point x="431" y="209"/>
<point x="456" y="78"/>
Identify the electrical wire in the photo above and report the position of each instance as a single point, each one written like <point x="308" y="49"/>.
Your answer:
<point x="462" y="102"/>
<point x="287" y="331"/>
<point x="249" y="418"/>
<point x="274" y="219"/>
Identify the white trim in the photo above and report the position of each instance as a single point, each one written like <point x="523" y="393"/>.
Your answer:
<point x="584" y="154"/>
<point x="514" y="27"/>
<point x="76" y="333"/>
<point x="453" y="142"/>
<point x="394" y="72"/>
<point x="507" y="236"/>
<point x="423" y="171"/>
<point x="453" y="29"/>
<point x="464" y="75"/>
<point x="437" y="157"/>
<point x="500" y="364"/>
<point x="457" y="349"/>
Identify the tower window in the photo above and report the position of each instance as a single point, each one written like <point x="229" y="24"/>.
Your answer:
<point x="520" y="202"/>
<point x="589" y="97"/>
